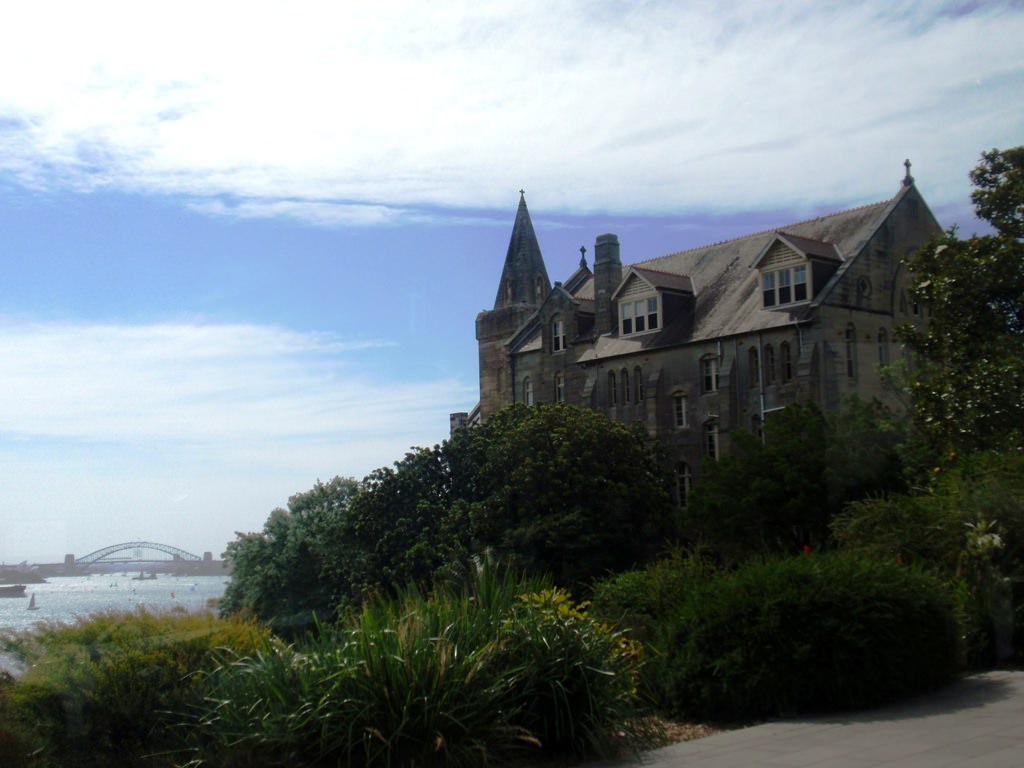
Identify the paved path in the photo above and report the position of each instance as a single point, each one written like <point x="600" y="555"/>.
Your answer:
<point x="977" y="722"/>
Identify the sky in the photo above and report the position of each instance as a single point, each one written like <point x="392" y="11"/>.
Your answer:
<point x="244" y="244"/>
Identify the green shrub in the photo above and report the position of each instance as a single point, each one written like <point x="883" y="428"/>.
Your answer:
<point x="639" y="600"/>
<point x="640" y="603"/>
<point x="809" y="633"/>
<point x="460" y="679"/>
<point x="117" y="687"/>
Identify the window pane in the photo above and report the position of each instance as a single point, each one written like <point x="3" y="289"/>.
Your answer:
<point x="679" y="405"/>
<point x="769" y="289"/>
<point x="799" y="283"/>
<point x="640" y="323"/>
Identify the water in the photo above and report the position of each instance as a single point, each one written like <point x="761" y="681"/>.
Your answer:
<point x="63" y="598"/>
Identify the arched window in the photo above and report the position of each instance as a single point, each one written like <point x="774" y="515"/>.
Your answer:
<point x="559" y="388"/>
<point x="638" y="383"/>
<point x="625" y="386"/>
<point x="508" y="290"/>
<point x="538" y="289"/>
<point x="787" y="361"/>
<point x="754" y="366"/>
<point x="613" y="390"/>
<point x="679" y="416"/>
<point x="883" y="347"/>
<point x="684" y="479"/>
<point x="527" y="391"/>
<point x="711" y="438"/>
<point x="850" y="338"/>
<point x="709" y="374"/>
<point x="769" y="364"/>
<point x="557" y="334"/>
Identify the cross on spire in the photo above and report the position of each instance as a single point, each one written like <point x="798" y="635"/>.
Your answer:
<point x="583" y="256"/>
<point x="908" y="179"/>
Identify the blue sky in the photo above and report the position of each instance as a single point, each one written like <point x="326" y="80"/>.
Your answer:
<point x="245" y="243"/>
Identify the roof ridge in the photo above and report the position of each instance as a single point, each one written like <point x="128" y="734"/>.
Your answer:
<point x="805" y="237"/>
<point x="659" y="271"/>
<point x="770" y="230"/>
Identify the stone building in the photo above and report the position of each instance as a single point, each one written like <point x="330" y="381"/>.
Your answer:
<point x="699" y="343"/>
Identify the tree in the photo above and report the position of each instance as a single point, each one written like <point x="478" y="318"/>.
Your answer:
<point x="781" y="494"/>
<point x="568" y="491"/>
<point x="553" y="489"/>
<point x="283" y="574"/>
<point x="967" y="376"/>
<point x="557" y="489"/>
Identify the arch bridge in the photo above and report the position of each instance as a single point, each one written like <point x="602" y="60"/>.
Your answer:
<point x="132" y="552"/>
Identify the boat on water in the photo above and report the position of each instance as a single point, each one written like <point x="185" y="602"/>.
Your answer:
<point x="32" y="603"/>
<point x="12" y="590"/>
<point x="144" y="577"/>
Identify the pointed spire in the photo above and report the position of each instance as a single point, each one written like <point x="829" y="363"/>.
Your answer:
<point x="524" y="279"/>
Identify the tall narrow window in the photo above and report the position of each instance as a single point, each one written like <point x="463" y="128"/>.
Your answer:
<point x="638" y="383"/>
<point x="711" y="439"/>
<point x="557" y="334"/>
<point x="883" y="347"/>
<point x="538" y="289"/>
<point x="850" y="338"/>
<point x="709" y="374"/>
<point x="679" y="410"/>
<point x="769" y="289"/>
<point x="613" y="390"/>
<point x="800" y="283"/>
<point x="785" y="289"/>
<point x="559" y="388"/>
<point x="625" y="386"/>
<point x="769" y="364"/>
<point x="754" y="366"/>
<point x="527" y="391"/>
<point x="787" y="361"/>
<point x="684" y="479"/>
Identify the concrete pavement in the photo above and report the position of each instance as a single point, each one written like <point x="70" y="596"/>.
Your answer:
<point x="976" y="722"/>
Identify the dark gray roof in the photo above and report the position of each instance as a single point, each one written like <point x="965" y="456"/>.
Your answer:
<point x="728" y="300"/>
<point x="665" y="281"/>
<point x="721" y="275"/>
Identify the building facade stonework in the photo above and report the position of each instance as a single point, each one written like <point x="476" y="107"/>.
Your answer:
<point x="700" y="343"/>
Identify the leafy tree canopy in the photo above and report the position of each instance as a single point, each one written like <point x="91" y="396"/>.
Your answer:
<point x="967" y="377"/>
<point x="283" y="573"/>
<point x="780" y="494"/>
<point x="556" y="490"/>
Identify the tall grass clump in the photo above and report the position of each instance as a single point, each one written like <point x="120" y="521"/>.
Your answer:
<point x="810" y="633"/>
<point x="115" y="688"/>
<point x="457" y="678"/>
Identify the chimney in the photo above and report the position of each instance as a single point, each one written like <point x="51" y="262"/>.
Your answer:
<point x="607" y="276"/>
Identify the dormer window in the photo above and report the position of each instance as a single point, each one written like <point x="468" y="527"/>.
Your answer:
<point x="639" y="315"/>
<point x="785" y="286"/>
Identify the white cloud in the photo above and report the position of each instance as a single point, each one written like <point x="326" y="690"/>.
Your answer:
<point x="220" y="385"/>
<point x="184" y="432"/>
<point x="344" y="113"/>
